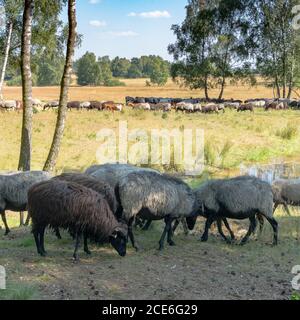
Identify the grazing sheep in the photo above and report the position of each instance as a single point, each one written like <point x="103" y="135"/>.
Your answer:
<point x="210" y="108"/>
<point x="95" y="105"/>
<point x="246" y="107"/>
<point x="286" y="192"/>
<point x="140" y="106"/>
<point x="68" y="205"/>
<point x="237" y="198"/>
<point x="90" y="182"/>
<point x="85" y="105"/>
<point x="232" y="105"/>
<point x="74" y="105"/>
<point x="153" y="196"/>
<point x="51" y="105"/>
<point x="13" y="191"/>
<point x="197" y="107"/>
<point x="112" y="172"/>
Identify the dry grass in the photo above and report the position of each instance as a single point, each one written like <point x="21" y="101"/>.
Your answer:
<point x="253" y="138"/>
<point x="137" y="87"/>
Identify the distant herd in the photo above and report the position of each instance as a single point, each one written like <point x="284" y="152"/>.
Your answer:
<point x="106" y="201"/>
<point x="162" y="104"/>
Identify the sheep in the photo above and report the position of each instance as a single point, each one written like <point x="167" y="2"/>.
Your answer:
<point x="90" y="182"/>
<point x="154" y="196"/>
<point x="286" y="192"/>
<point x="13" y="191"/>
<point x="246" y="107"/>
<point x="81" y="210"/>
<point x="237" y="198"/>
<point x="51" y="105"/>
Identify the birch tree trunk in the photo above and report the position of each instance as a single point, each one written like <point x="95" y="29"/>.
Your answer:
<point x="65" y="83"/>
<point x="25" y="150"/>
<point x="6" y="54"/>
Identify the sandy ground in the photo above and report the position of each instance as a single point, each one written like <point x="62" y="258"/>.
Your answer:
<point x="190" y="270"/>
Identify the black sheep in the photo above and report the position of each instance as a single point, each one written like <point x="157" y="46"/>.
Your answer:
<point x="68" y="205"/>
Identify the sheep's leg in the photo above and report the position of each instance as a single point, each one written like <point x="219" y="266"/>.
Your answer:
<point x="86" y="248"/>
<point x="251" y="229"/>
<point x="287" y="209"/>
<point x="147" y="225"/>
<point x="261" y="221"/>
<point x="176" y="223"/>
<point x="170" y="235"/>
<point x="130" y="234"/>
<point x="185" y="227"/>
<point x="229" y="229"/>
<point x="21" y="218"/>
<point x="168" y="225"/>
<point x="7" y="230"/>
<point x="37" y="241"/>
<point x="42" y="241"/>
<point x="57" y="233"/>
<point x="274" y="225"/>
<point x="77" y="245"/>
<point x="219" y="224"/>
<point x="208" y="224"/>
<point x="27" y="219"/>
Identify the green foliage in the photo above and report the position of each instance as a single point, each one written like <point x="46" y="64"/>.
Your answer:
<point x="88" y="70"/>
<point x="49" y="72"/>
<point x="17" y="81"/>
<point x="295" y="296"/>
<point x="160" y="73"/>
<point x="114" y="83"/>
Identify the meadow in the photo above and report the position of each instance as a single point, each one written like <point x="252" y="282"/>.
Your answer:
<point x="212" y="270"/>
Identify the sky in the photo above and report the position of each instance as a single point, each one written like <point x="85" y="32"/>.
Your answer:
<point x="128" y="28"/>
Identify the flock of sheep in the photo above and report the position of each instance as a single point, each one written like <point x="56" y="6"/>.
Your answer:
<point x="163" y="104"/>
<point x="104" y="203"/>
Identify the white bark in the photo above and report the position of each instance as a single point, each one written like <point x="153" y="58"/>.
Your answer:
<point x="6" y="54"/>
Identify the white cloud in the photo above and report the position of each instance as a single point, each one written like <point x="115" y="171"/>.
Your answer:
<point x="123" y="33"/>
<point x="98" y="23"/>
<point x="151" y="14"/>
<point x="94" y="1"/>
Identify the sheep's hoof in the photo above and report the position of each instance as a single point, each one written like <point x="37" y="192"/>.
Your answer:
<point x="203" y="239"/>
<point x="171" y="243"/>
<point x="161" y="247"/>
<point x="75" y="259"/>
<point x="7" y="232"/>
<point x="88" y="252"/>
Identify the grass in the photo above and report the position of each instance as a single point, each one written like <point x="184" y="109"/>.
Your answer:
<point x="288" y="133"/>
<point x="17" y="291"/>
<point x="230" y="139"/>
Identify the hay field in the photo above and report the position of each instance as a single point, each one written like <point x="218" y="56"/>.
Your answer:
<point x="137" y="87"/>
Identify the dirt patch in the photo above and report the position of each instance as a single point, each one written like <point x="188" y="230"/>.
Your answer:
<point x="190" y="270"/>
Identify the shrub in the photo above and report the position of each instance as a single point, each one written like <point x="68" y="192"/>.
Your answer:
<point x="287" y="133"/>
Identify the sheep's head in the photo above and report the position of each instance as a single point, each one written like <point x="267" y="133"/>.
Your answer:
<point x="118" y="239"/>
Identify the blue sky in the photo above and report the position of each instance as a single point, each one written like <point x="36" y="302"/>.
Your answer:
<point x="128" y="28"/>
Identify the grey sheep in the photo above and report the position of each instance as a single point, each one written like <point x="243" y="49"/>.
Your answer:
<point x="112" y="173"/>
<point x="286" y="192"/>
<point x="13" y="191"/>
<point x="237" y="198"/>
<point x="81" y="210"/>
<point x="155" y="196"/>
